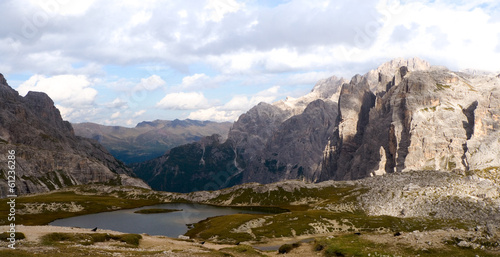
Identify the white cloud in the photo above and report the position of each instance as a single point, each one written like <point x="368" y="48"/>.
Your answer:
<point x="64" y="7"/>
<point x="214" y="114"/>
<point x="183" y="101"/>
<point x="115" y="115"/>
<point x="220" y="7"/>
<point x="243" y="103"/>
<point x="66" y="90"/>
<point x="194" y="81"/>
<point x="80" y="114"/>
<point x="140" y="18"/>
<point x="236" y="106"/>
<point x="229" y="44"/>
<point x="139" y="113"/>
<point x="65" y="111"/>
<point x="246" y="38"/>
<point x="151" y="83"/>
<point x="182" y="13"/>
<point x="117" y="103"/>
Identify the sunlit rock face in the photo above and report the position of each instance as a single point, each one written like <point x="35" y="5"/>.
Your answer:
<point x="428" y="119"/>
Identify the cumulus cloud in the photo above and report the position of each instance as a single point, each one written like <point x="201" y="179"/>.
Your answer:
<point x="67" y="90"/>
<point x="235" y="37"/>
<point x="115" y="115"/>
<point x="117" y="103"/>
<point x="214" y="114"/>
<point x="243" y="103"/>
<point x="195" y="81"/>
<point x="220" y="7"/>
<point x="215" y="44"/>
<point x="403" y="33"/>
<point x="183" y="101"/>
<point x="151" y="83"/>
<point x="139" y="113"/>
<point x="236" y="106"/>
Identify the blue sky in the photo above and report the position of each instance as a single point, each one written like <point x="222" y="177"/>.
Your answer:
<point x="123" y="62"/>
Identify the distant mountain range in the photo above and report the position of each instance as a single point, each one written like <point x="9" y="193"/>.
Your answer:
<point x="405" y="115"/>
<point x="149" y="139"/>
<point x="48" y="154"/>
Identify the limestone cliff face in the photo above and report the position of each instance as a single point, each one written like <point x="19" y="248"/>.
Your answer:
<point x="250" y="133"/>
<point x="48" y="154"/>
<point x="429" y="119"/>
<point x="405" y="115"/>
<point x="354" y="105"/>
<point x="283" y="156"/>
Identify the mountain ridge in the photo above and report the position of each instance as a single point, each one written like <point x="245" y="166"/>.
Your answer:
<point x="377" y="124"/>
<point x="149" y="139"/>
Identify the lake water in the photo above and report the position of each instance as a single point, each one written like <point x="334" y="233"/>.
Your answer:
<point x="170" y="224"/>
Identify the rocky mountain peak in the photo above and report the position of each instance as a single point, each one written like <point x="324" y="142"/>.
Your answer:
<point x="413" y="64"/>
<point x="44" y="107"/>
<point x="379" y="78"/>
<point x="325" y="89"/>
<point x="2" y="80"/>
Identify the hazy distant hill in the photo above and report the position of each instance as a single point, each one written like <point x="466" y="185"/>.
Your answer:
<point x="149" y="139"/>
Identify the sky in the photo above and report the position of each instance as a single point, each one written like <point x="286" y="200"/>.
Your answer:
<point x="120" y="62"/>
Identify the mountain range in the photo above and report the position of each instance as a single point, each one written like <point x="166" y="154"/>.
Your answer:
<point x="404" y="116"/>
<point x="149" y="139"/>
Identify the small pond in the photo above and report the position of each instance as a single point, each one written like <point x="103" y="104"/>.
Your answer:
<point x="171" y="224"/>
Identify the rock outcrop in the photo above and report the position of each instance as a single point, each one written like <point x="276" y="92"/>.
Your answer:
<point x="48" y="154"/>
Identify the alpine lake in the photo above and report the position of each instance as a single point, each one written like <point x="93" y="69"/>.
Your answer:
<point x="177" y="219"/>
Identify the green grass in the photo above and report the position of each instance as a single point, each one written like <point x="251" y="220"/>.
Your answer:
<point x="241" y="250"/>
<point x="283" y="199"/>
<point x="75" y="251"/>
<point x="89" y="238"/>
<point x="286" y="248"/>
<point x="355" y="245"/>
<point x="153" y="211"/>
<point x="90" y="203"/>
<point x="221" y="226"/>
<point x="281" y="225"/>
<point x="441" y="87"/>
<point x="6" y="235"/>
<point x="451" y="165"/>
<point x="427" y="109"/>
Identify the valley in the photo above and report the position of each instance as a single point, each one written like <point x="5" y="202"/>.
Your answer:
<point x="352" y="218"/>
